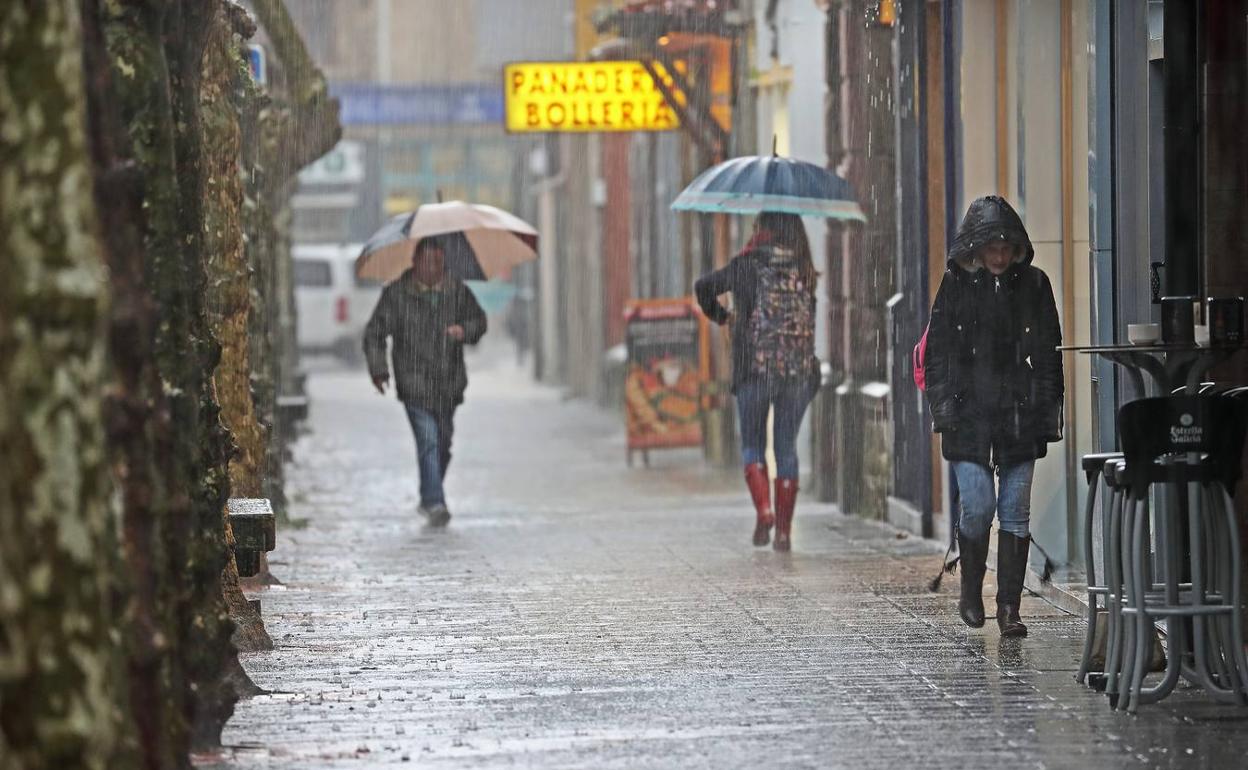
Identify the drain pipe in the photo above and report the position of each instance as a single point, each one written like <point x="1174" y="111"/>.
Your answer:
<point x="547" y="348"/>
<point x="951" y="24"/>
<point x="1183" y="147"/>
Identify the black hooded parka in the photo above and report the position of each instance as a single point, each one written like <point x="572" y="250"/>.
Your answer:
<point x="993" y="373"/>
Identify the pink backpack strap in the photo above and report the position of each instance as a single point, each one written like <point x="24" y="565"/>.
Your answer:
<point x="917" y="357"/>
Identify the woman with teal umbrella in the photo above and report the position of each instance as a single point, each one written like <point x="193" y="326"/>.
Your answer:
<point x="774" y="367"/>
<point x="772" y="281"/>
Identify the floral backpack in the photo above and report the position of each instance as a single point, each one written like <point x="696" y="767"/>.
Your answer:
<point x="782" y="325"/>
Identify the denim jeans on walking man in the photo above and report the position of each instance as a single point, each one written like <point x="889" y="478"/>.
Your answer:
<point x="789" y="398"/>
<point x="1009" y="498"/>
<point x="433" y="432"/>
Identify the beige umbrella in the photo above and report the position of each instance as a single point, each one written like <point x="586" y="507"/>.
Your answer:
<point x="480" y="241"/>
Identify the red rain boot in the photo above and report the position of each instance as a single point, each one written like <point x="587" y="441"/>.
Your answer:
<point x="786" y="500"/>
<point x="760" y="491"/>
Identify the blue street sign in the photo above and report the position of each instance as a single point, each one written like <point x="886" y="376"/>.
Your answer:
<point x="420" y="105"/>
<point x="258" y="63"/>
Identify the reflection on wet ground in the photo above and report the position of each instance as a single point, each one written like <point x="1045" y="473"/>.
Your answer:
<point x="577" y="613"/>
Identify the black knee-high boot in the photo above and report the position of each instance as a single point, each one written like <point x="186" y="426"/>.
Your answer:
<point x="1012" y="554"/>
<point x="973" y="555"/>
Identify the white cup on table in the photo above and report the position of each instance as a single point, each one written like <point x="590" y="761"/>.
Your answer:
<point x="1143" y="334"/>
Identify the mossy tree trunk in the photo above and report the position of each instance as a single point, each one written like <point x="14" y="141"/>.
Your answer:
<point x="223" y="99"/>
<point x="229" y="298"/>
<point x="313" y="128"/>
<point x="59" y="667"/>
<point x="138" y="417"/>
<point x="262" y="256"/>
<point x="163" y="159"/>
<point x="294" y="128"/>
<point x="170" y="428"/>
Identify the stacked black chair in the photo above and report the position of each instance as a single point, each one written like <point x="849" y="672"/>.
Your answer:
<point x="1114" y="473"/>
<point x="1098" y="593"/>
<point x="1188" y="449"/>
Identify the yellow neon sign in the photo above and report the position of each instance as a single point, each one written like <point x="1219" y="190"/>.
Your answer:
<point x="587" y="96"/>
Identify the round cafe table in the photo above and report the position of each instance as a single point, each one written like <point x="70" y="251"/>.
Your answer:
<point x="1169" y="366"/>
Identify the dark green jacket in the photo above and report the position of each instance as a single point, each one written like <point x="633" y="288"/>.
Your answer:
<point x="428" y="364"/>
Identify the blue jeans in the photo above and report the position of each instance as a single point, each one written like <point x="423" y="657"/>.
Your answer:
<point x="789" y="399"/>
<point x="433" y="431"/>
<point x="1009" y="498"/>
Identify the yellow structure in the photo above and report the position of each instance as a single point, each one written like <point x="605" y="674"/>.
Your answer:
<point x="587" y="96"/>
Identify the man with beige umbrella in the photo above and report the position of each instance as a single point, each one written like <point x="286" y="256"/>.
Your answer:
<point x="430" y="314"/>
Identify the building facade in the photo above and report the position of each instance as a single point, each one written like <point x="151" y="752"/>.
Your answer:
<point x="1109" y="126"/>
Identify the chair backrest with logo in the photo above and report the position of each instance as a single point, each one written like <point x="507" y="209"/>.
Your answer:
<point x="1212" y="428"/>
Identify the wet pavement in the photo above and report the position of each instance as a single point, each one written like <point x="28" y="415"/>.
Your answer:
<point x="577" y="613"/>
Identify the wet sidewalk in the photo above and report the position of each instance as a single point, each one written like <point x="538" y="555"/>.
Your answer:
<point x="580" y="614"/>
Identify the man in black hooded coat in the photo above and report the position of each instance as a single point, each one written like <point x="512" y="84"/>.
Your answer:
<point x="995" y="386"/>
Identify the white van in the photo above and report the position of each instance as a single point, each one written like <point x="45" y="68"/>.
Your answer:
<point x="332" y="306"/>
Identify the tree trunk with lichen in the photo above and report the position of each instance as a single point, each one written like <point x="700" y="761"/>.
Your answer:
<point x="262" y="255"/>
<point x="223" y="96"/>
<point x="312" y="128"/>
<point x="59" y="667"/>
<point x="175" y="536"/>
<point x="137" y="413"/>
<point x="292" y="129"/>
<point x="229" y="298"/>
<point x="164" y="160"/>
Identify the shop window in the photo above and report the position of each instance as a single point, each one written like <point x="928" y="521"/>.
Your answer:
<point x="493" y="161"/>
<point x="405" y="158"/>
<point x="447" y="159"/>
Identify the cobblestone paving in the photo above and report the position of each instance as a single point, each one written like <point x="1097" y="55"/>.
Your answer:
<point x="580" y="614"/>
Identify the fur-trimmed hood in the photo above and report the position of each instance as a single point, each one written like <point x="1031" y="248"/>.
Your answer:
<point x="990" y="218"/>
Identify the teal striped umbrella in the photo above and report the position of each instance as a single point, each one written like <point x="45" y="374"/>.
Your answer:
<point x="756" y="183"/>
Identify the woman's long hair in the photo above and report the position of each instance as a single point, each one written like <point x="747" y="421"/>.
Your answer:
<point x="788" y="231"/>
